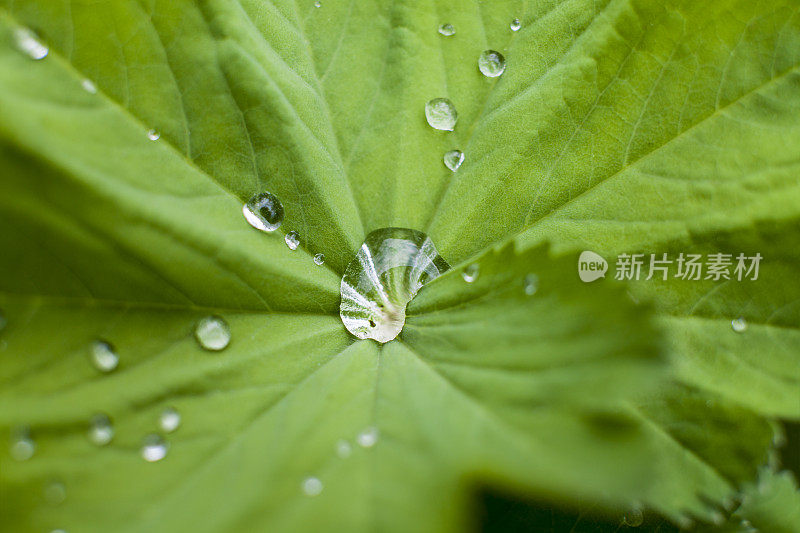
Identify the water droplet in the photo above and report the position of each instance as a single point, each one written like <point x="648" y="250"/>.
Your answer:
<point x="312" y="486"/>
<point x="447" y="30"/>
<point x="103" y="356"/>
<point x="633" y="518"/>
<point x="89" y="86"/>
<point x="153" y="135"/>
<point x="264" y="211"/>
<point x="739" y="325"/>
<point x="343" y="449"/>
<point x="59" y="531"/>
<point x="386" y="273"/>
<point x="101" y="430"/>
<point x="453" y="159"/>
<point x="29" y="44"/>
<point x="22" y="445"/>
<point x="470" y="273"/>
<point x="531" y="284"/>
<point x="55" y="493"/>
<point x="154" y="448"/>
<point x="169" y="420"/>
<point x="368" y="438"/>
<point x="292" y="240"/>
<point x="515" y="25"/>
<point x="491" y="63"/>
<point x="319" y="259"/>
<point x="213" y="333"/>
<point x="317" y="4"/>
<point x="441" y="114"/>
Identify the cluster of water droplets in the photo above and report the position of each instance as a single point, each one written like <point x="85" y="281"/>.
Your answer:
<point x="367" y="438"/>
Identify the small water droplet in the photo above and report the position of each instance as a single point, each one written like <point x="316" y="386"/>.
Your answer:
<point x="318" y="3"/>
<point x="154" y="448"/>
<point x="153" y="135"/>
<point x="292" y="240"/>
<point x="739" y="325"/>
<point x="470" y="273"/>
<point x="387" y="272"/>
<point x="59" y="531"/>
<point x="29" y="44"/>
<point x="441" y="114"/>
<point x="213" y="333"/>
<point x="368" y="438"/>
<point x="447" y="30"/>
<point x="633" y="518"/>
<point x="515" y="25"/>
<point x="169" y="420"/>
<point x="89" y="86"/>
<point x="312" y="486"/>
<point x="531" y="284"/>
<point x="55" y="493"/>
<point x="319" y="259"/>
<point x="103" y="356"/>
<point x="22" y="445"/>
<point x="101" y="430"/>
<point x="343" y="449"/>
<point x="491" y="63"/>
<point x="453" y="159"/>
<point x="264" y="211"/>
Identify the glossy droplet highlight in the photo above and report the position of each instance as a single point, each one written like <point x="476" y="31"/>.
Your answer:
<point x="387" y="272"/>
<point x="312" y="486"/>
<point x="154" y="448"/>
<point x="633" y="518"/>
<point x="318" y="3"/>
<point x="29" y="44"/>
<point x="22" y="445"/>
<point x="169" y="420"/>
<point x="264" y="211"/>
<point x="103" y="356"/>
<point x="491" y="63"/>
<point x="343" y="449"/>
<point x="89" y="86"/>
<point x="101" y="430"/>
<point x="153" y="135"/>
<point x="515" y="25"/>
<point x="447" y="30"/>
<point x="319" y="259"/>
<point x="453" y="159"/>
<point x="212" y="333"/>
<point x="530" y="284"/>
<point x="739" y="325"/>
<point x="441" y="114"/>
<point x="368" y="438"/>
<point x="470" y="273"/>
<point x="292" y="240"/>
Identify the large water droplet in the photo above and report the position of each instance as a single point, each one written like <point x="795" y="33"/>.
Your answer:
<point x="389" y="269"/>
<point x="22" y="445"/>
<point x="441" y="114"/>
<point x="154" y="448"/>
<point x="470" y="273"/>
<point x="447" y="30"/>
<point x="292" y="240"/>
<point x="153" y="135"/>
<point x="312" y="486"/>
<point x="515" y="25"/>
<point x="319" y="259"/>
<point x="55" y="493"/>
<point x="264" y="211"/>
<point x="101" y="431"/>
<point x="531" y="284"/>
<point x="453" y="159"/>
<point x="491" y="63"/>
<point x="213" y="333"/>
<point x="739" y="325"/>
<point x="103" y="356"/>
<point x="368" y="438"/>
<point x="169" y="420"/>
<point x="29" y="44"/>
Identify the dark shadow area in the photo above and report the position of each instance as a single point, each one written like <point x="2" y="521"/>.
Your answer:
<point x="790" y="451"/>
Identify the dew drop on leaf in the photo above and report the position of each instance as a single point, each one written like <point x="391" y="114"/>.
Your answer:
<point x="343" y="449"/>
<point x="739" y="325"/>
<point x="633" y="518"/>
<point x="441" y="114"/>
<point x="470" y="273"/>
<point x="491" y="63"/>
<point x="312" y="486"/>
<point x="101" y="430"/>
<point x="368" y="438"/>
<point x="447" y="30"/>
<point x="22" y="445"/>
<point x="515" y="25"/>
<point x="264" y="211"/>
<point x="531" y="284"/>
<point x="318" y="3"/>
<point x="213" y="333"/>
<point x="29" y="44"/>
<point x="319" y="259"/>
<point x="153" y="135"/>
<point x="169" y="420"/>
<point x="387" y="272"/>
<point x="89" y="86"/>
<point x="453" y="159"/>
<point x="292" y="240"/>
<point x="55" y="493"/>
<point x="154" y="448"/>
<point x="103" y="356"/>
